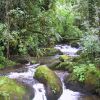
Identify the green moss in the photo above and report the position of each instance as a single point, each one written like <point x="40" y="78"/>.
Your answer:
<point x="33" y="62"/>
<point x="48" y="77"/>
<point x="93" y="79"/>
<point x="64" y="58"/>
<point x="65" y="66"/>
<point x="10" y="89"/>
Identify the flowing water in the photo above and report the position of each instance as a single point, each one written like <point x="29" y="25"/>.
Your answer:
<point x="26" y="77"/>
<point x="67" y="49"/>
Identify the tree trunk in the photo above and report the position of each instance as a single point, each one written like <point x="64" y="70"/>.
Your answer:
<point x="7" y="22"/>
<point x="91" y="9"/>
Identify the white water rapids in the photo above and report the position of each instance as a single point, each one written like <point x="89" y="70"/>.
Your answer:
<point x="67" y="49"/>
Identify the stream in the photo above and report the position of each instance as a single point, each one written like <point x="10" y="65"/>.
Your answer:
<point x="25" y="75"/>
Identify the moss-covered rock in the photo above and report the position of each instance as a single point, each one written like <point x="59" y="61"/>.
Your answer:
<point x="73" y="84"/>
<point x="11" y="90"/>
<point x="54" y="64"/>
<point x="92" y="80"/>
<point x="51" y="81"/>
<point x="80" y="59"/>
<point x="68" y="66"/>
<point x="85" y="76"/>
<point x="64" y="58"/>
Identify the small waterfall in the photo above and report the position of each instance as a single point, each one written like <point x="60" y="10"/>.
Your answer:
<point x="66" y="49"/>
<point x="69" y="94"/>
<point x="39" y="92"/>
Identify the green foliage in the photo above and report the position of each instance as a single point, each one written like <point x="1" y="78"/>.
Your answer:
<point x="63" y="20"/>
<point x="91" y="46"/>
<point x="37" y="24"/>
<point x="82" y="71"/>
<point x="79" y="72"/>
<point x="4" y="63"/>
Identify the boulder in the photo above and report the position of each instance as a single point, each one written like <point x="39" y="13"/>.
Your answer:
<point x="73" y="84"/>
<point x="64" y="58"/>
<point x="75" y="44"/>
<point x="51" y="82"/>
<point x="89" y="81"/>
<point x="11" y="90"/>
<point x="66" y="66"/>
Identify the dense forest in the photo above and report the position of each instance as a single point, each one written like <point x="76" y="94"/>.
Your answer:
<point x="31" y="28"/>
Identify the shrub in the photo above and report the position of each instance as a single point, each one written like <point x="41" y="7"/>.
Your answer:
<point x="91" y="46"/>
<point x="82" y="71"/>
<point x="4" y="62"/>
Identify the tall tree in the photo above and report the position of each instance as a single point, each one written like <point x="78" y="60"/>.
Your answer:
<point x="7" y="31"/>
<point x="91" y="9"/>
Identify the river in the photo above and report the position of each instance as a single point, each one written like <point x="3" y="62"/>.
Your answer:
<point x="25" y="75"/>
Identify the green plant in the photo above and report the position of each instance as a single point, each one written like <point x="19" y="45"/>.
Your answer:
<point x="91" y="46"/>
<point x="4" y="63"/>
<point x="82" y="71"/>
<point x="79" y="72"/>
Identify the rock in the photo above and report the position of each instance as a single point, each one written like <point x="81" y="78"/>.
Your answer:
<point x="72" y="84"/>
<point x="53" y="64"/>
<point x="80" y="59"/>
<point x="75" y="44"/>
<point x="92" y="81"/>
<point x="64" y="58"/>
<point x="11" y="90"/>
<point x="68" y="66"/>
<point x="51" y="81"/>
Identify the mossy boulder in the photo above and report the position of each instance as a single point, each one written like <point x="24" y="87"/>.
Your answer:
<point x="68" y="66"/>
<point x="86" y="77"/>
<point x="54" y="63"/>
<point x="80" y="59"/>
<point x="73" y="84"/>
<point x="92" y="80"/>
<point x="11" y="90"/>
<point x="64" y="58"/>
<point x="51" y="81"/>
